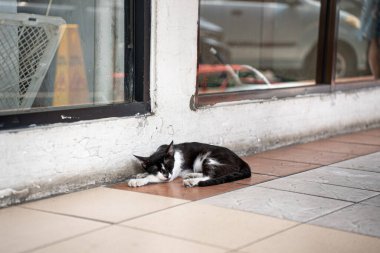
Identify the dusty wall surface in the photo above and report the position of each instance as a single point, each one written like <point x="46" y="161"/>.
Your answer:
<point x="40" y="161"/>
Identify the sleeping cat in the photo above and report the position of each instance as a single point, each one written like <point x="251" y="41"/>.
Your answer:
<point x="197" y="163"/>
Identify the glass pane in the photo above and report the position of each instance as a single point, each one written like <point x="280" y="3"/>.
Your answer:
<point x="61" y="53"/>
<point x="257" y="44"/>
<point x="358" y="41"/>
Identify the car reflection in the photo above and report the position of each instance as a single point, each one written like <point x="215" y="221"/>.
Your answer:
<point x="281" y="37"/>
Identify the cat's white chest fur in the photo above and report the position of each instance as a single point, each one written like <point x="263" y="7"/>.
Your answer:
<point x="178" y="163"/>
<point x="198" y="162"/>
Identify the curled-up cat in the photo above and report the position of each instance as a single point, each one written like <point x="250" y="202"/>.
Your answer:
<point x="198" y="164"/>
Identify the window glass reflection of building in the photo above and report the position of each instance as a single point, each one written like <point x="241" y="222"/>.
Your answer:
<point x="370" y="30"/>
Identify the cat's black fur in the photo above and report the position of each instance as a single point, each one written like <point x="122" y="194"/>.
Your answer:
<point x="198" y="163"/>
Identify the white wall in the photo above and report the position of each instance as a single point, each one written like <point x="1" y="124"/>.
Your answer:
<point x="40" y="161"/>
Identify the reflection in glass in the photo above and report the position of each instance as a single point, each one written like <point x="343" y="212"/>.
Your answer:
<point x="278" y="38"/>
<point x="257" y="44"/>
<point x="357" y="56"/>
<point x="57" y="53"/>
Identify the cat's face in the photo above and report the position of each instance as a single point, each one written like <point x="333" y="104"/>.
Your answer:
<point x="160" y="163"/>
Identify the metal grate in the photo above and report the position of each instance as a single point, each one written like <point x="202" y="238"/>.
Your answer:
<point x="27" y="46"/>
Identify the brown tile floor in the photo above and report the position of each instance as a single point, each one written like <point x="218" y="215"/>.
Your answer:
<point x="340" y="147"/>
<point x="277" y="168"/>
<point x="294" y="154"/>
<point x="277" y="163"/>
<point x="359" y="138"/>
<point x="373" y="132"/>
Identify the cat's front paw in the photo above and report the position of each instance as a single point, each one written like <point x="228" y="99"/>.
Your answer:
<point x="142" y="175"/>
<point x="191" y="182"/>
<point x="136" y="182"/>
<point x="192" y="175"/>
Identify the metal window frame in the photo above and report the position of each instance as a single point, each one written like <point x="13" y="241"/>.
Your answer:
<point x="137" y="50"/>
<point x="325" y="68"/>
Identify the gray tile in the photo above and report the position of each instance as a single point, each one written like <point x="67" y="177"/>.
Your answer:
<point x="319" y="189"/>
<point x="359" y="218"/>
<point x="368" y="162"/>
<point x="281" y="204"/>
<point x="343" y="177"/>
<point x="375" y="201"/>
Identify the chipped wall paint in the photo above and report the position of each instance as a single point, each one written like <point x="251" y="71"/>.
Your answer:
<point x="40" y="161"/>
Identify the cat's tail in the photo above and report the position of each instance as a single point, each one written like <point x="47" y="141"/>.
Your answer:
<point x="244" y="172"/>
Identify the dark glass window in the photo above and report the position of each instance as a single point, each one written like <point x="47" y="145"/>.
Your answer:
<point x="358" y="54"/>
<point x="65" y="55"/>
<point x="278" y="48"/>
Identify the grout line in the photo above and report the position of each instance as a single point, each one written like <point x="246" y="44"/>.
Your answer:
<point x="341" y="167"/>
<point x="345" y="186"/>
<point x="258" y="173"/>
<point x="176" y="237"/>
<point x="285" y="160"/>
<point x="326" y="214"/>
<point x="259" y="155"/>
<point x="64" y="239"/>
<point x="305" y="223"/>
<point x="377" y="195"/>
<point x="340" y="229"/>
<point x="350" y="187"/>
<point x="68" y="215"/>
<point x="350" y="142"/>
<point x="268" y="236"/>
<point x="245" y="186"/>
<point x="150" y="213"/>
<point x="293" y="173"/>
<point x="300" y="224"/>
<point x="352" y="156"/>
<point x="335" y="152"/>
<point x="307" y="194"/>
<point x="308" y="222"/>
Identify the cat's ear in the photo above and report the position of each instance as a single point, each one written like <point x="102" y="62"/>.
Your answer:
<point x="143" y="160"/>
<point x="170" y="150"/>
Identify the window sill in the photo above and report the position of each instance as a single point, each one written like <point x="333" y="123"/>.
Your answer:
<point x="210" y="99"/>
<point x="40" y="118"/>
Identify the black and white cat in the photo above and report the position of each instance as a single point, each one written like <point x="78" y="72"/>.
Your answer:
<point x="197" y="163"/>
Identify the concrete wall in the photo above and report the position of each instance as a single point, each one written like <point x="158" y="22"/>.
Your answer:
<point x="40" y="161"/>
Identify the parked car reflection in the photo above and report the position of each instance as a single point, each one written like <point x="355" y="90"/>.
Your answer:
<point x="280" y="37"/>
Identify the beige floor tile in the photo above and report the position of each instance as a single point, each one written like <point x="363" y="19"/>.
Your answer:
<point x="121" y="239"/>
<point x="105" y="204"/>
<point x="314" y="239"/>
<point x="22" y="229"/>
<point x="212" y="225"/>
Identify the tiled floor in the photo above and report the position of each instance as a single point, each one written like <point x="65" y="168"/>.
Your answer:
<point x="316" y="197"/>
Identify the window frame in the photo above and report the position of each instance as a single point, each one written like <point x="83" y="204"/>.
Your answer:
<point x="325" y="68"/>
<point x="137" y="51"/>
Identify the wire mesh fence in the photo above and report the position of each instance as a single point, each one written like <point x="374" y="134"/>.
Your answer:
<point x="27" y="47"/>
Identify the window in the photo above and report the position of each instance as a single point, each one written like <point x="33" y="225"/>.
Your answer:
<point x="68" y="60"/>
<point x="358" y="54"/>
<point x="278" y="48"/>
